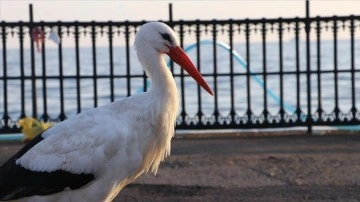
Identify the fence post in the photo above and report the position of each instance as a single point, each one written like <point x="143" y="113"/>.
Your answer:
<point x="308" y="69"/>
<point x="172" y="26"/>
<point x="33" y="72"/>
<point x="5" y="117"/>
<point x="170" y="12"/>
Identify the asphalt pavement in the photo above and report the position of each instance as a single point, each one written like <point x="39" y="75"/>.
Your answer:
<point x="261" y="168"/>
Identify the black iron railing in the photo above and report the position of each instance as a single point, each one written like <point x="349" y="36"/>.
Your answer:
<point x="293" y="71"/>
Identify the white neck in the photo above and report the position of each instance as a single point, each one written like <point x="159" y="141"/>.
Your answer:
<point x="154" y="65"/>
<point x="165" y="103"/>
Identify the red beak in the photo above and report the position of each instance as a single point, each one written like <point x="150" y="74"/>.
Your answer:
<point x="178" y="55"/>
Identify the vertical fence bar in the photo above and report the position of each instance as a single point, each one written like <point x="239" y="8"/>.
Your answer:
<point x="264" y="64"/>
<point x="214" y="34"/>
<point x="44" y="116"/>
<point x="93" y="45"/>
<point x="309" y="120"/>
<point x="170" y="12"/>
<point x="352" y="55"/>
<point x="127" y="42"/>
<point x="248" y="87"/>
<point x="144" y="76"/>
<point x="62" y="115"/>
<point x="171" y="24"/>
<point x="200" y="114"/>
<point x="281" y="70"/>
<point x="318" y="49"/>
<point x="33" y="68"/>
<point x="111" y="62"/>
<point x="337" y="109"/>
<point x="232" y="88"/>
<point x="145" y="83"/>
<point x="5" y="117"/>
<point x="22" y="73"/>
<point x="297" y="56"/>
<point x="77" y="61"/>
<point x="183" y="113"/>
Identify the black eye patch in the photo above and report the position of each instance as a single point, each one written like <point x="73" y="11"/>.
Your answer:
<point x="166" y="37"/>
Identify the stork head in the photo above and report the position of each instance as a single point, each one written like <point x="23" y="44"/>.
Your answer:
<point x="160" y="37"/>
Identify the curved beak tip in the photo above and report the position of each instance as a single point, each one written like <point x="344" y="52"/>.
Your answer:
<point x="211" y="92"/>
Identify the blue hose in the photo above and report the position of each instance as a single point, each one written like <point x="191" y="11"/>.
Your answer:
<point x="11" y="137"/>
<point x="243" y="63"/>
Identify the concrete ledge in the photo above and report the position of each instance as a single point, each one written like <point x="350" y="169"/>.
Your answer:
<point x="198" y="134"/>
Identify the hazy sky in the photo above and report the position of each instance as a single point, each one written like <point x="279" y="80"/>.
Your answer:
<point x="116" y="10"/>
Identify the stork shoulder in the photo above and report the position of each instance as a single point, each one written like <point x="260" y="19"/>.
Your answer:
<point x="75" y="145"/>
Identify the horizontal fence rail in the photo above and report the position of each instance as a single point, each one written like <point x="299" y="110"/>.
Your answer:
<point x="265" y="73"/>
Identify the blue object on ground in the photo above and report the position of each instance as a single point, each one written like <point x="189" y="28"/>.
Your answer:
<point x="11" y="137"/>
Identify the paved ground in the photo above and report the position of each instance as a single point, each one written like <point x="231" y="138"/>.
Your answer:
<point x="293" y="168"/>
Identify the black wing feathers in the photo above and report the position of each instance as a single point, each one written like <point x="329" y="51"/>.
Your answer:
<point x="17" y="182"/>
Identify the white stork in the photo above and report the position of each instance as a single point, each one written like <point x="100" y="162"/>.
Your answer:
<point x="93" y="155"/>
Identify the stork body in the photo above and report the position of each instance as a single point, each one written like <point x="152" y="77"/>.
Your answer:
<point x="94" y="154"/>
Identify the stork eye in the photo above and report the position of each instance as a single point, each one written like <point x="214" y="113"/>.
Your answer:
<point x="166" y="37"/>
